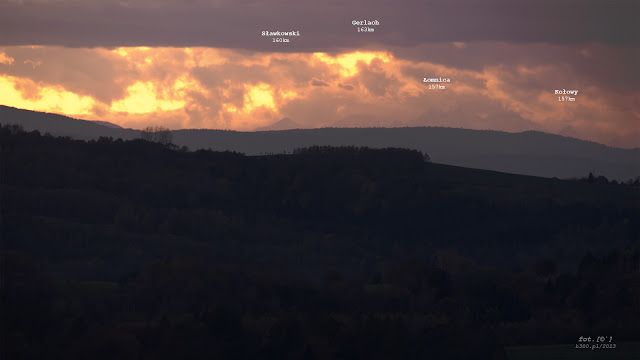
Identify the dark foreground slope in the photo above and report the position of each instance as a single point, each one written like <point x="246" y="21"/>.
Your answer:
<point x="126" y="250"/>
<point x="527" y="153"/>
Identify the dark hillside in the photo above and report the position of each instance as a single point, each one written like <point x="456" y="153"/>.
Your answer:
<point x="132" y="249"/>
<point x="527" y="153"/>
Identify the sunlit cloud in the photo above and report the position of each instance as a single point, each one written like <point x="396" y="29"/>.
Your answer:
<point x="347" y="63"/>
<point x="4" y="59"/>
<point x="198" y="87"/>
<point x="144" y="98"/>
<point x="46" y="98"/>
<point x="256" y="96"/>
<point x="33" y="63"/>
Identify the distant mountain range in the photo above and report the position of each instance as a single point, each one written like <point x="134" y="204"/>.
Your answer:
<point x="107" y="124"/>
<point x="282" y="124"/>
<point x="60" y="125"/>
<point x="364" y="121"/>
<point x="529" y="153"/>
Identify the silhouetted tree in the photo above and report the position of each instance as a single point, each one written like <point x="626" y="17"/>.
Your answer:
<point x="157" y="134"/>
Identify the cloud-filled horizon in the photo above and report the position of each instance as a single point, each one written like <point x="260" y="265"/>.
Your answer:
<point x="205" y="64"/>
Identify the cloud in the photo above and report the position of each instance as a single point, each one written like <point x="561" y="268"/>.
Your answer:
<point x="101" y="73"/>
<point x="4" y="59"/>
<point x="34" y="63"/>
<point x="375" y="78"/>
<point x="241" y="90"/>
<point x="608" y="66"/>
<point x="316" y="82"/>
<point x="24" y="93"/>
<point x="324" y="26"/>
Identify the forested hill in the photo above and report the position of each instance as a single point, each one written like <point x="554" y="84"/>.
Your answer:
<point x="152" y="252"/>
<point x="528" y="153"/>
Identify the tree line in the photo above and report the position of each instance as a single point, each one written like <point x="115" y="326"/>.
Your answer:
<point x="134" y="249"/>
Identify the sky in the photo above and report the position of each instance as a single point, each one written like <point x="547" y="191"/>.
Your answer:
<point x="205" y="64"/>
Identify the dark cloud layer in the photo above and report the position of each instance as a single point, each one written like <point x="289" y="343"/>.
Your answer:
<point x="323" y="26"/>
<point x="205" y="63"/>
<point x="316" y="82"/>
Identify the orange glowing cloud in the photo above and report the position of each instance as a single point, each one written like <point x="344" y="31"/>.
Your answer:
<point x="228" y="89"/>
<point x="256" y="96"/>
<point x="47" y="98"/>
<point x="4" y="59"/>
<point x="143" y="97"/>
<point x="347" y="63"/>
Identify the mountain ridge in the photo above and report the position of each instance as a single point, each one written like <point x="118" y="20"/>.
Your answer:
<point x="282" y="124"/>
<point x="528" y="153"/>
<point x="107" y="124"/>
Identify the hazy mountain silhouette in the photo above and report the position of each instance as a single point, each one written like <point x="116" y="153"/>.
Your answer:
<point x="60" y="125"/>
<point x="529" y="153"/>
<point x="282" y="124"/>
<point x="108" y="124"/>
<point x="363" y="121"/>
